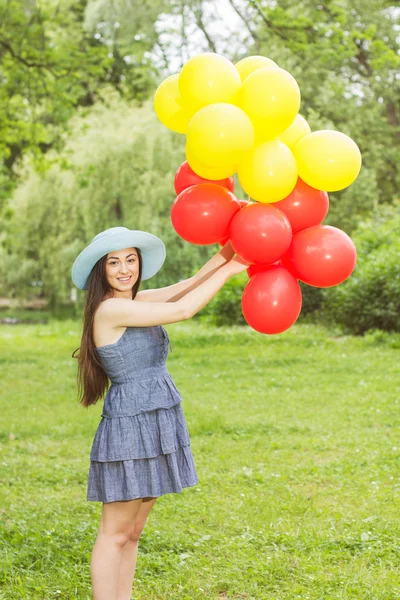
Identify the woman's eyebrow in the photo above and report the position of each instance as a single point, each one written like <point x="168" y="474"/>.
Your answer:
<point x="116" y="257"/>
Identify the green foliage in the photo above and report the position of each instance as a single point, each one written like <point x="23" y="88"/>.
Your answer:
<point x="127" y="32"/>
<point x="56" y="57"/>
<point x="370" y="298"/>
<point x="49" y="66"/>
<point x="226" y="307"/>
<point x="311" y="299"/>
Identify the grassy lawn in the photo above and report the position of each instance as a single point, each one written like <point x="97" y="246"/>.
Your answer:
<point x="296" y="444"/>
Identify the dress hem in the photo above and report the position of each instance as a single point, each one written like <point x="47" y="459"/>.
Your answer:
<point x="92" y="499"/>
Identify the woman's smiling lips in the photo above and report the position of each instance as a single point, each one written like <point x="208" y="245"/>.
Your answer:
<point x="124" y="279"/>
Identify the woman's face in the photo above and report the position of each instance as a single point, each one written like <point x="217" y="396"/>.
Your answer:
<point x="122" y="269"/>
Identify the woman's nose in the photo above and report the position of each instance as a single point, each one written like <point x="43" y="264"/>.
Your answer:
<point x="123" y="268"/>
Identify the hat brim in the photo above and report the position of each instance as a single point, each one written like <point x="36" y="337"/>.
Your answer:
<point x="151" y="247"/>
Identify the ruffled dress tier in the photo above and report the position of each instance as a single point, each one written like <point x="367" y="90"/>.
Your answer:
<point x="141" y="447"/>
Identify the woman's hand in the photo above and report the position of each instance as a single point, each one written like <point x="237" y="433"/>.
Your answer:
<point x="227" y="252"/>
<point x="236" y="265"/>
<point x="217" y="261"/>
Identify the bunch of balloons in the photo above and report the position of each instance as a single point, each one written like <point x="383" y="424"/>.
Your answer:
<point x="244" y="118"/>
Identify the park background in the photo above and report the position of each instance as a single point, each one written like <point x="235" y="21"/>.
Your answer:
<point x="295" y="436"/>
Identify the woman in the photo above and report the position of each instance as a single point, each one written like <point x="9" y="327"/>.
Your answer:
<point x="141" y="449"/>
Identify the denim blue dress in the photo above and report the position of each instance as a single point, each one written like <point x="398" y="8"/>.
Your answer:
<point x="142" y="446"/>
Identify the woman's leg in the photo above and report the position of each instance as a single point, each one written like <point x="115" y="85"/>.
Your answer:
<point x="115" y="530"/>
<point x="130" y="552"/>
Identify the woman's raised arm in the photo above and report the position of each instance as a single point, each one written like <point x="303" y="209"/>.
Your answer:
<point x="174" y="292"/>
<point x="121" y="312"/>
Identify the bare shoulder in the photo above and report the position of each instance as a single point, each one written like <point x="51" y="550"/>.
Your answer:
<point x="109" y="311"/>
<point x="112" y="306"/>
<point x="105" y="329"/>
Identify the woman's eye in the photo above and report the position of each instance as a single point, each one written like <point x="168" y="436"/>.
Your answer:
<point x="114" y="262"/>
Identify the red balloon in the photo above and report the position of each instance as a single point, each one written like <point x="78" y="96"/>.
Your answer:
<point x="321" y="256"/>
<point x="185" y="177"/>
<point x="202" y="213"/>
<point x="260" y="233"/>
<point x="226" y="238"/>
<point x="271" y="301"/>
<point x="253" y="269"/>
<point x="287" y="264"/>
<point x="304" y="207"/>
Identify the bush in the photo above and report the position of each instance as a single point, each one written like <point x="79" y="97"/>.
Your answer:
<point x="226" y="307"/>
<point x="370" y="298"/>
<point x="312" y="299"/>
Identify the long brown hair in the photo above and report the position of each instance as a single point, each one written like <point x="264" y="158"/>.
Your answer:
<point x="91" y="378"/>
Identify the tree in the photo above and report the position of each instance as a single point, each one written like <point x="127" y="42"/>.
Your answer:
<point x="56" y="57"/>
<point x="345" y="57"/>
<point x="105" y="178"/>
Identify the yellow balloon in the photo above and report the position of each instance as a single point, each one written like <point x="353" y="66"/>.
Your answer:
<point x="248" y="65"/>
<point x="271" y="98"/>
<point x="327" y="160"/>
<point x="213" y="173"/>
<point x="208" y="78"/>
<point x="169" y="107"/>
<point x="220" y="134"/>
<point x="297" y="130"/>
<point x="269" y="173"/>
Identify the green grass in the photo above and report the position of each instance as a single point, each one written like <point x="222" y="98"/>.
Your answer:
<point x="296" y="443"/>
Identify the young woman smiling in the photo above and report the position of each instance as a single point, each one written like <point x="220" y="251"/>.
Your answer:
<point x="141" y="449"/>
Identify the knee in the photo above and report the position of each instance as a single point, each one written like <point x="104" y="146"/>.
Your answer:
<point x="135" y="534"/>
<point x="118" y="540"/>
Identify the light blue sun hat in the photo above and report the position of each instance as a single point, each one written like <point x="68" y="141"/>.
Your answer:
<point x="117" y="238"/>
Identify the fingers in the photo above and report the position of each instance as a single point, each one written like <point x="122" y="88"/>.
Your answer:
<point x="241" y="260"/>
